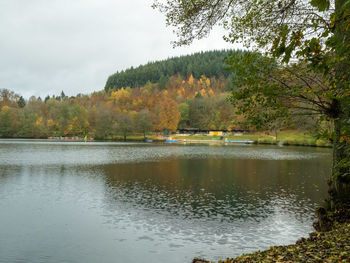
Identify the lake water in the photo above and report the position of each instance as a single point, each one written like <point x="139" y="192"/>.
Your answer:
<point x="134" y="202"/>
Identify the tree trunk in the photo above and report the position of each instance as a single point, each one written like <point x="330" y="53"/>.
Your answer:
<point x="339" y="182"/>
<point x="338" y="202"/>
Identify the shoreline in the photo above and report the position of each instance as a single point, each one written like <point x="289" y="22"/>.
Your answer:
<point x="331" y="246"/>
<point x="283" y="138"/>
<point x="185" y="141"/>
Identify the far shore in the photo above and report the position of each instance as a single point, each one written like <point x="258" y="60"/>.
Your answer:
<point x="286" y="138"/>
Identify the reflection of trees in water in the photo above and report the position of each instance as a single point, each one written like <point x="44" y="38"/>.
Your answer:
<point x="219" y="189"/>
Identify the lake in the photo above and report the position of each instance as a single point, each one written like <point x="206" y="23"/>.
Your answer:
<point x="138" y="202"/>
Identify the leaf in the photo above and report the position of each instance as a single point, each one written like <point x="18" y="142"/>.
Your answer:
<point x="322" y="5"/>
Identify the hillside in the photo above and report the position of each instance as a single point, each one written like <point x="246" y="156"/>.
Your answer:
<point x="210" y="64"/>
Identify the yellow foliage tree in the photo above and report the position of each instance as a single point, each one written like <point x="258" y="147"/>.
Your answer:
<point x="120" y="96"/>
<point x="5" y="108"/>
<point x="190" y="80"/>
<point x="77" y="127"/>
<point x="52" y="127"/>
<point x="202" y="92"/>
<point x="39" y="122"/>
<point x="169" y="115"/>
<point x="204" y="81"/>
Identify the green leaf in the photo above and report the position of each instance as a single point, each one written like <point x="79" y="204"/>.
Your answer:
<point x="322" y="5"/>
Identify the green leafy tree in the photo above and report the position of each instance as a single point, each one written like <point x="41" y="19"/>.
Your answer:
<point x="201" y="112"/>
<point x="104" y="121"/>
<point x="143" y="122"/>
<point x="124" y="124"/>
<point x="64" y="117"/>
<point x="316" y="33"/>
<point x="8" y="122"/>
<point x="224" y="112"/>
<point x="184" y="110"/>
<point x="29" y="129"/>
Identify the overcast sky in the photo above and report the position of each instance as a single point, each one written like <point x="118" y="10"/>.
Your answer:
<point x="47" y="46"/>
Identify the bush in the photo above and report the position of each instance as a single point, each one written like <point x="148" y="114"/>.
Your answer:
<point x="266" y="140"/>
<point x="288" y="141"/>
<point x="322" y="143"/>
<point x="311" y="142"/>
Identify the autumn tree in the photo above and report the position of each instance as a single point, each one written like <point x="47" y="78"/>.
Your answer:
<point x="315" y="32"/>
<point x="52" y="128"/>
<point x="169" y="115"/>
<point x="8" y="98"/>
<point x="79" y="124"/>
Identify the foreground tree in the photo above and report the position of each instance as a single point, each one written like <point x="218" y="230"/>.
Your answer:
<point x="315" y="32"/>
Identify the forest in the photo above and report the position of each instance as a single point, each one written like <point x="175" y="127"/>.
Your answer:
<point x="209" y="63"/>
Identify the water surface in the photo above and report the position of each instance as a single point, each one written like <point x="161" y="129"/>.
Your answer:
<point x="134" y="202"/>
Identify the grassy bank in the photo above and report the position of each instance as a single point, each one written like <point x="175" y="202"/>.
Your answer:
<point x="283" y="138"/>
<point x="332" y="246"/>
<point x="132" y="138"/>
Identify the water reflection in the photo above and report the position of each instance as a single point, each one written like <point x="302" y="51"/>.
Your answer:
<point x="200" y="195"/>
<point x="72" y="202"/>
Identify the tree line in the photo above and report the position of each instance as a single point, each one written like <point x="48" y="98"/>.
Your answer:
<point x="184" y="103"/>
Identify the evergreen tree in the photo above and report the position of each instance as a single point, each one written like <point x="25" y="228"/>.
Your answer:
<point x="21" y="102"/>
